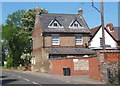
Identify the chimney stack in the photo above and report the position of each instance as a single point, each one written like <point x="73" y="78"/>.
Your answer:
<point x="80" y="11"/>
<point x="37" y="10"/>
<point x="110" y="25"/>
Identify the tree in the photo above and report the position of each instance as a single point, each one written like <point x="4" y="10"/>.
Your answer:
<point x="1" y="61"/>
<point x="15" y="37"/>
<point x="28" y="21"/>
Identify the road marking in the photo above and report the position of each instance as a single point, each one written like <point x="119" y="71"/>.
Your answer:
<point x="8" y="73"/>
<point x="67" y="81"/>
<point x="75" y="83"/>
<point x="13" y="74"/>
<point x="34" y="83"/>
<point x="26" y="79"/>
<point x="19" y="76"/>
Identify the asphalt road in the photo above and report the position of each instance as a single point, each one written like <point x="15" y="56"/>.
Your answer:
<point x="13" y="77"/>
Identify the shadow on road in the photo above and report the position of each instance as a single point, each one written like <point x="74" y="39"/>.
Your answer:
<point x="7" y="81"/>
<point x="3" y="76"/>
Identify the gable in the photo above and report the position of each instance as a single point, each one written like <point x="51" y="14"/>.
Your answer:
<point x="109" y="40"/>
<point x="94" y="32"/>
<point x="55" y="24"/>
<point x="75" y="24"/>
<point x="105" y="31"/>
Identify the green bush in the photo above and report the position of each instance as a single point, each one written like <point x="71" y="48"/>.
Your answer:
<point x="9" y="61"/>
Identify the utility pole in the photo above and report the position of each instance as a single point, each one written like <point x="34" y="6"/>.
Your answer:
<point x="102" y="21"/>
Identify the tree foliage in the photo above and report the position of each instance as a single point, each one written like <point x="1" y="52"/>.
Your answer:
<point x="28" y="19"/>
<point x="17" y="35"/>
<point x="14" y="35"/>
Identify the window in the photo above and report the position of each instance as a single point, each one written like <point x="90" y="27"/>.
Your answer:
<point x="71" y="56"/>
<point x="55" y="39"/>
<point x="78" y="39"/>
<point x="55" y="24"/>
<point x="101" y="43"/>
<point x="54" y="56"/>
<point x="75" y="25"/>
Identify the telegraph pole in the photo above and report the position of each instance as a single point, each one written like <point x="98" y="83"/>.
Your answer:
<point x="102" y="21"/>
<point x="101" y="11"/>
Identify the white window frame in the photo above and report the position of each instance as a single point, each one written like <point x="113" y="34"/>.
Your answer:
<point x="78" y="39"/>
<point x="51" y="25"/>
<point x="75" y="27"/>
<point x="55" y="39"/>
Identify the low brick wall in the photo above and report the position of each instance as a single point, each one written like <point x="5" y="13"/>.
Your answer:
<point x="94" y="71"/>
<point x="110" y="68"/>
<point x="85" y="66"/>
<point x="112" y="57"/>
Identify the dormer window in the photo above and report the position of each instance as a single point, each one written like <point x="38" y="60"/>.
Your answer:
<point x="75" y="24"/>
<point x="55" y="24"/>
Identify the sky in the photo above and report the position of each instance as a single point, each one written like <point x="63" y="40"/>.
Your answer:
<point x="91" y="15"/>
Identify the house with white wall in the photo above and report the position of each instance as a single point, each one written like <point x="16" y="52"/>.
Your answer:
<point x="111" y="37"/>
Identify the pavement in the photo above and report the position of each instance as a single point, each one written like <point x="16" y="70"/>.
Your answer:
<point x="81" y="79"/>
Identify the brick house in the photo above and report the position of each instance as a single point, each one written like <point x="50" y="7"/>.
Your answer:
<point x="58" y="36"/>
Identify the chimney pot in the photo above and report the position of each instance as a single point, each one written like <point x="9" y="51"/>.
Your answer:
<point x="80" y="11"/>
<point x="110" y="25"/>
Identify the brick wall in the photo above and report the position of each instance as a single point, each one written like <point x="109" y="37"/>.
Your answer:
<point x="47" y="41"/>
<point x="109" y="66"/>
<point x="112" y="57"/>
<point x="94" y="68"/>
<point x="65" y="39"/>
<point x="59" y="64"/>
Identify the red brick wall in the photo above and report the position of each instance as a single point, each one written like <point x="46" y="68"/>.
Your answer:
<point x="112" y="57"/>
<point x="59" y="64"/>
<point x="94" y="68"/>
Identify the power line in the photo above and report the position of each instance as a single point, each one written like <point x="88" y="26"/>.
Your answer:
<point x="95" y="7"/>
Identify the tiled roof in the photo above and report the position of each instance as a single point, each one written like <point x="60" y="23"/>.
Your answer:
<point x="117" y="32"/>
<point x="65" y="20"/>
<point x="93" y="30"/>
<point x="69" y="51"/>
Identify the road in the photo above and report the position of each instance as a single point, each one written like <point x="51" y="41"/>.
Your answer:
<point x="16" y="77"/>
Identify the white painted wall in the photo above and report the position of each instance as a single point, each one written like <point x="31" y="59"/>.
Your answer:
<point x="95" y="42"/>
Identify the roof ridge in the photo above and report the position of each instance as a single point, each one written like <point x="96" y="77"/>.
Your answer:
<point x="58" y="14"/>
<point x="96" y="27"/>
